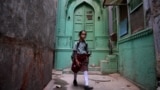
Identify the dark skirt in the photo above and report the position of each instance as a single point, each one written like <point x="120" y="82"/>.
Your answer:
<point x="84" y="61"/>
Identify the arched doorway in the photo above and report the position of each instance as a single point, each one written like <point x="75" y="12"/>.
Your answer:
<point x="84" y="20"/>
<point x="81" y="15"/>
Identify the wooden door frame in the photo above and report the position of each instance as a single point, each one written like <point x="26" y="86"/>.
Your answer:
<point x="84" y="22"/>
<point x="73" y="6"/>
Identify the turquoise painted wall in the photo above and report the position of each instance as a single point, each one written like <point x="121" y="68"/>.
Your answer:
<point x="137" y="59"/>
<point x="65" y="31"/>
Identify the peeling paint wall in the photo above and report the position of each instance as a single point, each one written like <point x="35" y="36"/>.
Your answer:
<point x="147" y="13"/>
<point x="156" y="28"/>
<point x="152" y="15"/>
<point x="26" y="43"/>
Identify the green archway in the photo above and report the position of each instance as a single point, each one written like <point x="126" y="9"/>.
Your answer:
<point x="96" y="27"/>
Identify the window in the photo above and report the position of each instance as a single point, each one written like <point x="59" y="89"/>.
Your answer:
<point x="136" y="15"/>
<point x="123" y="20"/>
<point x="134" y="4"/>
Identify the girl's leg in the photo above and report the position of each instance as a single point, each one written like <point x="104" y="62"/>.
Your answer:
<point x="75" y="80"/>
<point x="86" y="78"/>
<point x="87" y="87"/>
<point x="75" y="76"/>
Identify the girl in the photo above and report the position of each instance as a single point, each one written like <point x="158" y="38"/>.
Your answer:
<point x="81" y="59"/>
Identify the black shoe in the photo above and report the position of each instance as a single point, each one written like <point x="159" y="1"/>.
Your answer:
<point x="88" y="88"/>
<point x="75" y="83"/>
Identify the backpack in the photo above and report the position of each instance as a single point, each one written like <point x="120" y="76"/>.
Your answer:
<point x="73" y="54"/>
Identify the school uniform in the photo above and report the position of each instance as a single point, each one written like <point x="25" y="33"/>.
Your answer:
<point x="82" y="56"/>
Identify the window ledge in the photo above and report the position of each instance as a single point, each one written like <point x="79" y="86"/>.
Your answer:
<point x="139" y="34"/>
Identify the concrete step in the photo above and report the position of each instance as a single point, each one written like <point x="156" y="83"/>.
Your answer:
<point x="108" y="66"/>
<point x="68" y="71"/>
<point x="97" y="68"/>
<point x="111" y="57"/>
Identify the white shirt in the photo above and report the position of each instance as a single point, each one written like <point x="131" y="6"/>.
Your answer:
<point x="81" y="47"/>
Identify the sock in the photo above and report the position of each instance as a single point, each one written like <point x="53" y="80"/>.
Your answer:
<point x="86" y="77"/>
<point x="75" y="76"/>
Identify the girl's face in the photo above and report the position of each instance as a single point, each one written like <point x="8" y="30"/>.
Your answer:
<point x="83" y="35"/>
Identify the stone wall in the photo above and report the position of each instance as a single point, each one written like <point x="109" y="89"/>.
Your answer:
<point x="156" y="28"/>
<point x="26" y="43"/>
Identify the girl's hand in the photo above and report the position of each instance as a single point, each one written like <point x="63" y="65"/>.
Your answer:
<point x="78" y="63"/>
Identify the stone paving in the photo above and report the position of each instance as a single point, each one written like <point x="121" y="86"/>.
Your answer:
<point x="99" y="82"/>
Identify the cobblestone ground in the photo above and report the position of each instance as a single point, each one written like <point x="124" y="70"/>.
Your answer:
<point x="99" y="82"/>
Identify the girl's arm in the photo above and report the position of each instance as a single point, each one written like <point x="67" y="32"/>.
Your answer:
<point x="75" y="55"/>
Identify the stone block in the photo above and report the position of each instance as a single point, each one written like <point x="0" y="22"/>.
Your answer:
<point x="108" y="67"/>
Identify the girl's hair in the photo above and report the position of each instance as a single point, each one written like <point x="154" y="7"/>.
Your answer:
<point x="81" y="32"/>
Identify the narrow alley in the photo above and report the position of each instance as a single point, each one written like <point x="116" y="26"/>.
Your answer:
<point x="79" y="44"/>
<point x="99" y="81"/>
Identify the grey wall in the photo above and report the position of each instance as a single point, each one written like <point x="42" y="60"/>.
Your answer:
<point x="155" y="8"/>
<point x="26" y="43"/>
<point x="110" y="20"/>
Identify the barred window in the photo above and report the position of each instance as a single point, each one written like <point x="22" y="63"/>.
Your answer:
<point x="136" y="15"/>
<point x="134" y="4"/>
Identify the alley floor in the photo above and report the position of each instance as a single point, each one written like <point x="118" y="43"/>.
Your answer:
<point x="99" y="82"/>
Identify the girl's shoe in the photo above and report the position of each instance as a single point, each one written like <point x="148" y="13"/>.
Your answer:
<point x="75" y="83"/>
<point x="88" y="88"/>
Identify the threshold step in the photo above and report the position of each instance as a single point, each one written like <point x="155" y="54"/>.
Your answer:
<point x="68" y="71"/>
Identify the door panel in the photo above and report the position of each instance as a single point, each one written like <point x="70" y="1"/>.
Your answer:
<point x="79" y="19"/>
<point x="84" y="20"/>
<point x="90" y="36"/>
<point x="89" y="27"/>
<point x="79" y="10"/>
<point x="76" y="37"/>
<point x="90" y="44"/>
<point x="78" y="27"/>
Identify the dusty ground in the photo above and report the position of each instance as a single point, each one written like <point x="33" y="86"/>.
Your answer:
<point x="99" y="82"/>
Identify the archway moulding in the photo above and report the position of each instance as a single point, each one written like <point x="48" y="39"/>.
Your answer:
<point x="69" y="2"/>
